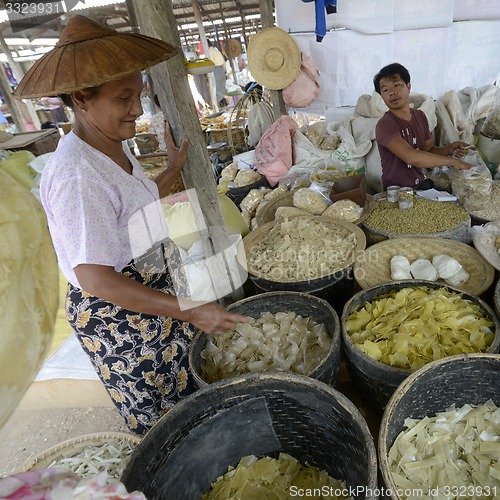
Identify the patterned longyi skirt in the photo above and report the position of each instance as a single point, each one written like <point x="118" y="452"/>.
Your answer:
<point x="142" y="360"/>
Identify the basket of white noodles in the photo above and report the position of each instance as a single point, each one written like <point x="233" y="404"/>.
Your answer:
<point x="90" y="454"/>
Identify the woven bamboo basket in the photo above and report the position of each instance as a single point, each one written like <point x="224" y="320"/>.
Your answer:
<point x="459" y="380"/>
<point x="260" y="414"/>
<point x="375" y="380"/>
<point x="251" y="240"/>
<point x="74" y="446"/>
<point x="268" y="211"/>
<point x="373" y="266"/>
<point x="328" y="371"/>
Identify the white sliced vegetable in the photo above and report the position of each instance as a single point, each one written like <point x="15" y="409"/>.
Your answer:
<point x="446" y="266"/>
<point x="422" y="269"/>
<point x="459" y="278"/>
<point x="400" y="268"/>
<point x="449" y="451"/>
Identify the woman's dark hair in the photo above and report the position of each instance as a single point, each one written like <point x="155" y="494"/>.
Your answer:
<point x="391" y="70"/>
<point x="66" y="98"/>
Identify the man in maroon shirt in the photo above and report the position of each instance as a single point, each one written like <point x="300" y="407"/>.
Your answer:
<point x="403" y="137"/>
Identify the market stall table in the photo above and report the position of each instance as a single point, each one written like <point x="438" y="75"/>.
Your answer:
<point x="38" y="142"/>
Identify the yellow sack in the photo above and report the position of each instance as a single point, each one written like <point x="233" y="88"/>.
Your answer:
<point x="17" y="166"/>
<point x="182" y="227"/>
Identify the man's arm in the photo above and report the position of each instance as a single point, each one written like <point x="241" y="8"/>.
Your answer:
<point x="422" y="159"/>
<point x="456" y="148"/>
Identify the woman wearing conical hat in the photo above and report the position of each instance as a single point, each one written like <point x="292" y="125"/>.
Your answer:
<point x="125" y="289"/>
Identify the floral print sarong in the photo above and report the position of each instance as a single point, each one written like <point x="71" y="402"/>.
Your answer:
<point x="142" y="360"/>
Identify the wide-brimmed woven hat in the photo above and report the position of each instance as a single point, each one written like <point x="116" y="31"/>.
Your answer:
<point x="273" y="58"/>
<point x="88" y="55"/>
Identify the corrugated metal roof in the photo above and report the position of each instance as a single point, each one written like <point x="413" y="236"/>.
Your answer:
<point x="217" y="15"/>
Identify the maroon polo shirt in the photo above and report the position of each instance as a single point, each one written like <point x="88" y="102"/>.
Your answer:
<point x="395" y="172"/>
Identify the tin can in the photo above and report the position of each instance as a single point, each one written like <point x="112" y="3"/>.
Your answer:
<point x="393" y="194"/>
<point x="405" y="197"/>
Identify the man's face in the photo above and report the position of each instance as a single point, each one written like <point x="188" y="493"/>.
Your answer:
<point x="394" y="92"/>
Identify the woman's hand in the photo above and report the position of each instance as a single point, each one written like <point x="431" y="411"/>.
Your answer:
<point x="176" y="156"/>
<point x="215" y="320"/>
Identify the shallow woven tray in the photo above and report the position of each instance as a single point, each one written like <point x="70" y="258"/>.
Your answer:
<point x="74" y="446"/>
<point x="372" y="267"/>
<point x="255" y="237"/>
<point x="268" y="211"/>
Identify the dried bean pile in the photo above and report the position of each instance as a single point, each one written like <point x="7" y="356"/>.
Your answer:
<point x="425" y="217"/>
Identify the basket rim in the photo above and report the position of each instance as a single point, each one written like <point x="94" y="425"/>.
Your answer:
<point x="383" y="250"/>
<point x="69" y="443"/>
<point x="245" y="246"/>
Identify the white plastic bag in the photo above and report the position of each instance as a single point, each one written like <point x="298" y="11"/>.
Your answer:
<point x="472" y="187"/>
<point x="452" y="124"/>
<point x="348" y="156"/>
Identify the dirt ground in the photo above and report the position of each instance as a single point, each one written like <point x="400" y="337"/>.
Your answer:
<point x="39" y="424"/>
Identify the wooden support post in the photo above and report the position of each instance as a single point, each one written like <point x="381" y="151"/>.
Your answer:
<point x="19" y="73"/>
<point x="203" y="37"/>
<point x="156" y="18"/>
<point x="267" y="18"/>
<point x="243" y="24"/>
<point x="227" y="45"/>
<point x="12" y="104"/>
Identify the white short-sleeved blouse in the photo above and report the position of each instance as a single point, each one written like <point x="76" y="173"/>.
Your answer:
<point x="89" y="201"/>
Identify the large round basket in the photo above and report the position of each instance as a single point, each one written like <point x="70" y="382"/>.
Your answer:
<point x="328" y="277"/>
<point x="268" y="211"/>
<point x="74" y="446"/>
<point x="373" y="266"/>
<point x="459" y="380"/>
<point x="259" y="414"/>
<point x="461" y="232"/>
<point x="327" y="371"/>
<point x="375" y="380"/>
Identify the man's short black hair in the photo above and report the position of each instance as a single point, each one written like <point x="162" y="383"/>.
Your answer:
<point x="391" y="70"/>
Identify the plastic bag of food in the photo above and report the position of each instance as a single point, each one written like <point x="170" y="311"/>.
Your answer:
<point x="472" y="187"/>
<point x="310" y="200"/>
<point x="344" y="209"/>
<point x="246" y="176"/>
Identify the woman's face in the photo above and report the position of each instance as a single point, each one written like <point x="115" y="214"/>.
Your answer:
<point x="113" y="110"/>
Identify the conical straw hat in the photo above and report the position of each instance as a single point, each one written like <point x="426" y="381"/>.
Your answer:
<point x="88" y="55"/>
<point x="274" y="58"/>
